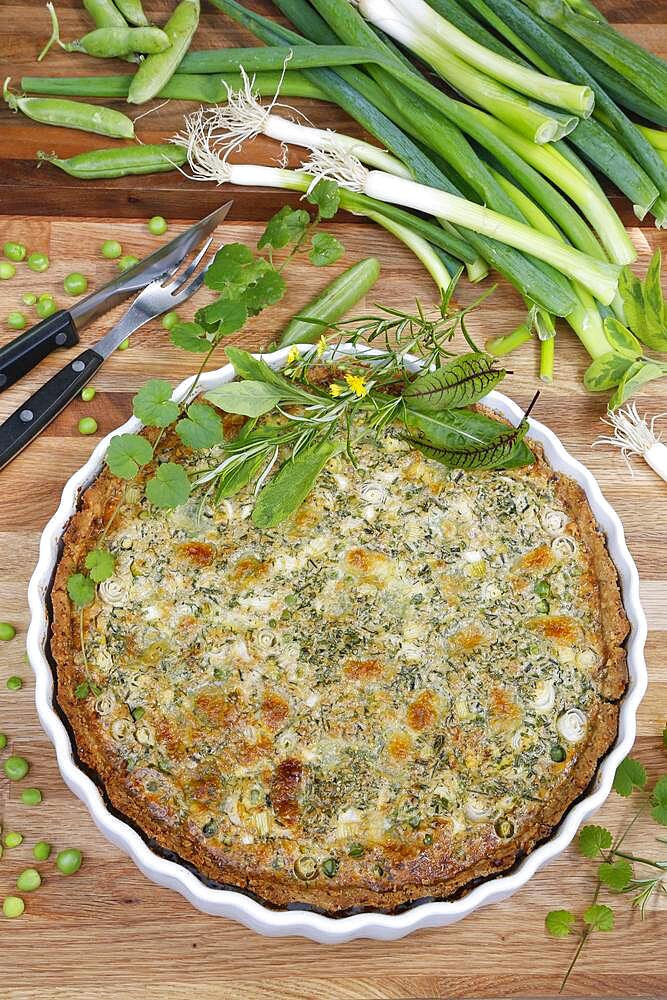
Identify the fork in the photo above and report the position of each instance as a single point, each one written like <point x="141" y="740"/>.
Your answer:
<point x="26" y="422"/>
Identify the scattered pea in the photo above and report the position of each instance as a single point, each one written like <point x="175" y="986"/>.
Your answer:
<point x="28" y="298"/>
<point x="75" y="283"/>
<point x="127" y="262"/>
<point x="44" y="296"/>
<point x="87" y="425"/>
<point x="13" y="906"/>
<point x="124" y="346"/>
<point x="69" y="861"/>
<point x="3" y="741"/>
<point x="31" y="796"/>
<point x="356" y="850"/>
<point x="111" y="249"/>
<point x="41" y="851"/>
<point x="428" y="839"/>
<point x="38" y="262"/>
<point x="28" y="880"/>
<point x="14" y="683"/>
<point x="169" y="320"/>
<point x="7" y="270"/>
<point x="13" y="839"/>
<point x="7" y="631"/>
<point x="87" y="394"/>
<point x="138" y="712"/>
<point x="16" y="320"/>
<point x="45" y="307"/>
<point x="157" y="225"/>
<point x="14" y="251"/>
<point x="16" y="768"/>
<point x="557" y="754"/>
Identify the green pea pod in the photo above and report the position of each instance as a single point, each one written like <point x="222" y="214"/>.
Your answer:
<point x="133" y="13"/>
<point x="71" y="114"/>
<point x="109" y="43"/>
<point x="157" y="69"/>
<point x="119" y="161"/>
<point x="343" y="292"/>
<point x="104" y="14"/>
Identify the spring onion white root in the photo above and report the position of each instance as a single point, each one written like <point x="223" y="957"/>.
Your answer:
<point x="635" y="435"/>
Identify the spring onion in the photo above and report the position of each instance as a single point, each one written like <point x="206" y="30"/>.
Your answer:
<point x="508" y="342"/>
<point x="635" y="435"/>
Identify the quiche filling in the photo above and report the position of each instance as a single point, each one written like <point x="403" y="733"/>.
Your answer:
<point x="396" y="691"/>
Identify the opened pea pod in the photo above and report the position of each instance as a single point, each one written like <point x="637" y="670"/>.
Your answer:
<point x="109" y="42"/>
<point x="71" y="114"/>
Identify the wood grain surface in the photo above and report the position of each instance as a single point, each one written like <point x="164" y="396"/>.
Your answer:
<point x="109" y="932"/>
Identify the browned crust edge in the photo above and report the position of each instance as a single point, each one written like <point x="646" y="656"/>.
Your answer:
<point x="185" y="840"/>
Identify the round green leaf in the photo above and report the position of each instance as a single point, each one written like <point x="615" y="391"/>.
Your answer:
<point x="169" y="487"/>
<point x="127" y="453"/>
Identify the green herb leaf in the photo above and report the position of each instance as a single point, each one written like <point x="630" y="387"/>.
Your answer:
<point x="559" y="923"/>
<point x="655" y="314"/>
<point x="190" y="337"/>
<point x="287" y="226"/>
<point x="291" y="485"/>
<point x="599" y="917"/>
<point x="127" y="453"/>
<point x="593" y="839"/>
<point x="169" y="487"/>
<point x="202" y="428"/>
<point x="460" y="429"/>
<point x="234" y="269"/>
<point x="636" y="376"/>
<point x="248" y="367"/>
<point x="659" y="801"/>
<point x="101" y="564"/>
<point x="249" y="398"/>
<point x="606" y="372"/>
<point x="326" y="195"/>
<point x="617" y="875"/>
<point x="235" y="477"/>
<point x="621" y="339"/>
<point x="326" y="249"/>
<point x="664" y="737"/>
<point x="457" y="384"/>
<point x="224" y="316"/>
<point x="630" y="774"/>
<point x="82" y="690"/>
<point x="266" y="291"/>
<point x="81" y="589"/>
<point x="153" y="404"/>
<point x="630" y="290"/>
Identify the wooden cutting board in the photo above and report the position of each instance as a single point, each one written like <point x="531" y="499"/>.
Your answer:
<point x="109" y="932"/>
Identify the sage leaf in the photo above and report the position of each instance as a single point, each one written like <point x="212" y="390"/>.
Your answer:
<point x="235" y="477"/>
<point x="630" y="290"/>
<point x="636" y="376"/>
<point x="457" y="384"/>
<point x="249" y="398"/>
<point x="461" y="430"/>
<point x="291" y="485"/>
<point x="606" y="372"/>
<point x="621" y="339"/>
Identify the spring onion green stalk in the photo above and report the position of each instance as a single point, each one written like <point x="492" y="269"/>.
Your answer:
<point x="554" y="165"/>
<point x="599" y="277"/>
<point x="422" y="250"/>
<point x="641" y="68"/>
<point x="561" y="94"/>
<point x="547" y="352"/>
<point x="202" y="88"/>
<point x="508" y="342"/>
<point x="553" y="294"/>
<point x="656" y="137"/>
<point x="483" y="11"/>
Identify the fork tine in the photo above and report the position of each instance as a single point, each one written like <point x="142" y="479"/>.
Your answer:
<point x="196" y="283"/>
<point x="180" y="279"/>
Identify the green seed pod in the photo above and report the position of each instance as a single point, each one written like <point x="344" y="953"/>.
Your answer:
<point x="132" y="11"/>
<point x="111" y="43"/>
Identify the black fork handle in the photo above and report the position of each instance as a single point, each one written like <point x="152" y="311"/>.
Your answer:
<point x="21" y="355"/>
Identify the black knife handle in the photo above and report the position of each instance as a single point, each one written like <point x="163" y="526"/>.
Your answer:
<point x="38" y="411"/>
<point x="21" y="355"/>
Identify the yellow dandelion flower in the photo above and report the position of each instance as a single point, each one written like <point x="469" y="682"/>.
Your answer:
<point x="357" y="384"/>
<point x="321" y="346"/>
<point x="335" y="389"/>
<point x="294" y="355"/>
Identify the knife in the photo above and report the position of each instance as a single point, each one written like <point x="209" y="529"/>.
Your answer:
<point x="61" y="329"/>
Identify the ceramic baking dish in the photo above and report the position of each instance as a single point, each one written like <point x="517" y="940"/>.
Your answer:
<point x="235" y="904"/>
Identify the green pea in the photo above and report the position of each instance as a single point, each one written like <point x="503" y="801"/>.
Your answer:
<point x="355" y="850"/>
<point x="45" y="296"/>
<point x="28" y="298"/>
<point x="14" y="251"/>
<point x="138" y="712"/>
<point x="111" y="249"/>
<point x="14" y="683"/>
<point x="45" y="307"/>
<point x="543" y="607"/>
<point x="38" y="262"/>
<point x="16" y="768"/>
<point x="13" y="906"/>
<point x="3" y="741"/>
<point x="69" y="861"/>
<point x="7" y="631"/>
<point x="125" y="344"/>
<point x="87" y="425"/>
<point x="41" y="851"/>
<point x="542" y="588"/>
<point x="6" y="270"/>
<point x="127" y="262"/>
<point x="13" y="839"/>
<point x="87" y="394"/>
<point x="557" y="754"/>
<point x="75" y="283"/>
<point x="16" y="320"/>
<point x="169" y="320"/>
<point x="157" y="225"/>
<point x="330" y="866"/>
<point x="28" y="880"/>
<point x="31" y="796"/>
<point x="428" y="839"/>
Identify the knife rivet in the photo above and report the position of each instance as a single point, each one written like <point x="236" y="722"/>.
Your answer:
<point x="78" y="366"/>
<point x="60" y="339"/>
<point x="26" y="416"/>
